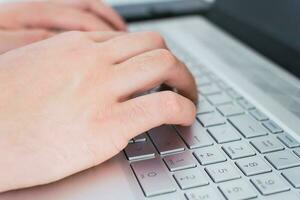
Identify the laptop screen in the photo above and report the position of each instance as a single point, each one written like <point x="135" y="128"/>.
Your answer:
<point x="270" y="26"/>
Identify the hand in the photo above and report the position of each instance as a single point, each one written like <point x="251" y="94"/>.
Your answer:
<point x="14" y="39"/>
<point x="84" y="15"/>
<point x="65" y="102"/>
<point x="99" y="9"/>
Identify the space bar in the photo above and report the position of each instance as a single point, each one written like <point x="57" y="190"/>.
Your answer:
<point x="153" y="177"/>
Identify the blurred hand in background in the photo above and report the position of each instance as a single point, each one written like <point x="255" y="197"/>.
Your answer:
<point x="27" y="22"/>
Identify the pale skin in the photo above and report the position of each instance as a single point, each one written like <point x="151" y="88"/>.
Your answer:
<point x="66" y="103"/>
<point x="27" y="22"/>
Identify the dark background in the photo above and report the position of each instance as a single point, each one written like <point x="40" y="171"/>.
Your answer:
<point x="270" y="26"/>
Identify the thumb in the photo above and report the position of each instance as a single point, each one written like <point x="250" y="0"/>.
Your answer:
<point x="14" y="39"/>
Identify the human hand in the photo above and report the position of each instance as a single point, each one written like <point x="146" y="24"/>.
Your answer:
<point x="66" y="102"/>
<point x="84" y="15"/>
<point x="99" y="9"/>
<point x="14" y="39"/>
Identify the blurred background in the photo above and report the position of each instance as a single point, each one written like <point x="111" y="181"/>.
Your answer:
<point x="272" y="27"/>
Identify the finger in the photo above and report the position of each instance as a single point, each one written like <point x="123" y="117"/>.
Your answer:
<point x="143" y="113"/>
<point x="56" y="16"/>
<point x="151" y="69"/>
<point x="101" y="36"/>
<point x="124" y="47"/>
<point x="109" y="14"/>
<point x="16" y="39"/>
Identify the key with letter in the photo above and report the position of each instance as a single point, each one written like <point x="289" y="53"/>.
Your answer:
<point x="195" y="136"/>
<point x="218" y="99"/>
<point x="190" y="178"/>
<point x="153" y="177"/>
<point x="247" y="126"/>
<point x="209" y="155"/>
<point x="204" y="106"/>
<point x="283" y="159"/>
<point x="270" y="184"/>
<point x="237" y="150"/>
<point x="267" y="144"/>
<point x="245" y="104"/>
<point x="228" y="110"/>
<point x="258" y="115"/>
<point x="253" y="166"/>
<point x="180" y="161"/>
<point x="238" y="190"/>
<point x="224" y="133"/>
<point x="203" y="193"/>
<point x="222" y="172"/>
<point x="288" y="140"/>
<point x="272" y="126"/>
<point x="140" y="150"/>
<point x="211" y="119"/>
<point x="209" y="89"/>
<point x="166" y="140"/>
<point x="234" y="94"/>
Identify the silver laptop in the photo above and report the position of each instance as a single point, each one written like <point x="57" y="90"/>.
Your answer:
<point x="148" y="9"/>
<point x="243" y="145"/>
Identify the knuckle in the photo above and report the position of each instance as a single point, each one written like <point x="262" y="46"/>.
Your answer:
<point x="168" y="60"/>
<point x="171" y="103"/>
<point x="156" y="37"/>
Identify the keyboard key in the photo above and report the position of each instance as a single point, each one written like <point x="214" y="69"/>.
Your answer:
<point x="288" y="140"/>
<point x="245" y="104"/>
<point x="136" y="151"/>
<point x="218" y="99"/>
<point x="203" y="193"/>
<point x="247" y="126"/>
<point x="173" y="196"/>
<point x="234" y="94"/>
<point x="297" y="151"/>
<point x="230" y="110"/>
<point x="195" y="136"/>
<point x="153" y="177"/>
<point x="224" y="133"/>
<point x="222" y="172"/>
<point x="209" y="155"/>
<point x="293" y="176"/>
<point x="237" y="150"/>
<point x="190" y="178"/>
<point x="214" y="77"/>
<point x="204" y="106"/>
<point x="253" y="166"/>
<point x="284" y="195"/>
<point x="203" y="80"/>
<point x="140" y="138"/>
<point x="237" y="190"/>
<point x="283" y="159"/>
<point x="269" y="183"/>
<point x="223" y="85"/>
<point x="166" y="140"/>
<point x="180" y="161"/>
<point x="211" y="119"/>
<point x="258" y="115"/>
<point x="209" y="89"/>
<point x="272" y="127"/>
<point x="267" y="144"/>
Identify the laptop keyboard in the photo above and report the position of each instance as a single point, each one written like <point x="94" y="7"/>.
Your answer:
<point x="232" y="151"/>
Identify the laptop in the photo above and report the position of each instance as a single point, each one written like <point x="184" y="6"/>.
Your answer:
<point x="245" y="142"/>
<point x="133" y="10"/>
